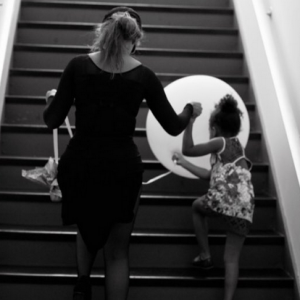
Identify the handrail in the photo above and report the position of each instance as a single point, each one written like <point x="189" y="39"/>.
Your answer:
<point x="9" y="13"/>
<point x="277" y="119"/>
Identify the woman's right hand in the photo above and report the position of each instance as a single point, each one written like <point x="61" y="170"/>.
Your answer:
<point x="50" y="93"/>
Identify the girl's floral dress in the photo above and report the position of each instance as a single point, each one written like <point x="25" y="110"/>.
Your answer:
<point x="231" y="191"/>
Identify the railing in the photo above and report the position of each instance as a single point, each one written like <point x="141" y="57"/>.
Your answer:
<point x="9" y="12"/>
<point x="276" y="115"/>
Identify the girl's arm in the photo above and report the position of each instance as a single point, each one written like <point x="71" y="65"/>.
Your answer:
<point x="189" y="149"/>
<point x="202" y="173"/>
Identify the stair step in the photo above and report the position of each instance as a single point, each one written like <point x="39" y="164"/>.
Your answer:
<point x="43" y="129"/>
<point x="34" y="246"/>
<point x="146" y="199"/>
<point x="41" y="141"/>
<point x="147" y="284"/>
<point x="148" y="164"/>
<point x="36" y="82"/>
<point x="173" y="37"/>
<point x="12" y="166"/>
<point x="166" y="60"/>
<point x="213" y="3"/>
<point x="80" y="11"/>
<point x="29" y="110"/>
<point x="156" y="211"/>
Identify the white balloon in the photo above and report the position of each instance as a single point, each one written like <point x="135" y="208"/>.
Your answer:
<point x="208" y="91"/>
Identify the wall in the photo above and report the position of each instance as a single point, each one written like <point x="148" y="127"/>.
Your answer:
<point x="9" y="11"/>
<point x="274" y="69"/>
<point x="1" y="9"/>
<point x="284" y="28"/>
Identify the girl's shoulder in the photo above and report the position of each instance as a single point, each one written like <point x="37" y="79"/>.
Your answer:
<point x="218" y="144"/>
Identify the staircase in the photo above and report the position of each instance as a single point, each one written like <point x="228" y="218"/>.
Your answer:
<point x="37" y="254"/>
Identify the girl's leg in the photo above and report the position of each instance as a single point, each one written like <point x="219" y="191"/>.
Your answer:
<point x="200" y="226"/>
<point x="116" y="257"/>
<point x="233" y="247"/>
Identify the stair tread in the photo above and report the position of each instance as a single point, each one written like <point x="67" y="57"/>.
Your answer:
<point x="147" y="28"/>
<point x="148" y="7"/>
<point x="41" y="128"/>
<point x="40" y="100"/>
<point x="141" y="50"/>
<point x="171" y="233"/>
<point x="41" y="196"/>
<point x="161" y="76"/>
<point x="149" y="164"/>
<point x="182" y="274"/>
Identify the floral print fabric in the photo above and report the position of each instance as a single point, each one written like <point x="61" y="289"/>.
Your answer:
<point x="231" y="191"/>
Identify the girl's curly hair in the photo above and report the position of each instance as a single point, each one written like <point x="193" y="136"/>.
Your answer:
<point x="227" y="116"/>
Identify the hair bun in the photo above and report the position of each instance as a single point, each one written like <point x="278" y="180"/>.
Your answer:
<point x="228" y="104"/>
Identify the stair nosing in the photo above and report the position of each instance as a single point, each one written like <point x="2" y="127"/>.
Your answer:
<point x="139" y="7"/>
<point x="40" y="100"/>
<point x="171" y="76"/>
<point x="157" y="276"/>
<point x="146" y="28"/>
<point x="140" y="51"/>
<point x="43" y="129"/>
<point x="146" y="199"/>
<point x="163" y="236"/>
<point x="150" y="164"/>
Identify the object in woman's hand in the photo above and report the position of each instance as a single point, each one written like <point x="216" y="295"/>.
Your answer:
<point x="50" y="93"/>
<point x="47" y="177"/>
<point x="175" y="158"/>
<point x="208" y="90"/>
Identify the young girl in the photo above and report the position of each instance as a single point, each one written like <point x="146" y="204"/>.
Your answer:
<point x="230" y="195"/>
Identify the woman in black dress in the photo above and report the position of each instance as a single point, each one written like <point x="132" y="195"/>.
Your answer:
<point x="100" y="173"/>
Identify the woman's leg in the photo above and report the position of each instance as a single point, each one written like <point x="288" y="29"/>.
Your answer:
<point x="233" y="248"/>
<point x="116" y="257"/>
<point x="85" y="258"/>
<point x="201" y="228"/>
<point x="116" y="252"/>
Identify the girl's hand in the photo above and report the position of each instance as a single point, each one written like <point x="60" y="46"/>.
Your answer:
<point x="178" y="159"/>
<point x="197" y="109"/>
<point x="193" y="119"/>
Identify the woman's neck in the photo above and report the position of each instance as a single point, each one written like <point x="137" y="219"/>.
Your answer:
<point x="128" y="63"/>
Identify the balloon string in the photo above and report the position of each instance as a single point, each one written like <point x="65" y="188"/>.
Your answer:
<point x="157" y="178"/>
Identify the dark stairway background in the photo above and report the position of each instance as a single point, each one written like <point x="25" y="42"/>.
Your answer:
<point x="37" y="254"/>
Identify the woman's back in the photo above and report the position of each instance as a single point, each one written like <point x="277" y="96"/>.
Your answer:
<point x="105" y="105"/>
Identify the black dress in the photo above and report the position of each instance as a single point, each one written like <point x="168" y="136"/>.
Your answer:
<point x="100" y="173"/>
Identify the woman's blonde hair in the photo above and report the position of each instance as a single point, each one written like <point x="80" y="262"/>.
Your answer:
<point x="110" y="36"/>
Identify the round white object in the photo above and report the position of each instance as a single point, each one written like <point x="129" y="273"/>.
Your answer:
<point x="208" y="91"/>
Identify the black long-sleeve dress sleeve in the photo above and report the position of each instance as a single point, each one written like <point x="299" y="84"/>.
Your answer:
<point x="57" y="109"/>
<point x="97" y="95"/>
<point x="161" y="108"/>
